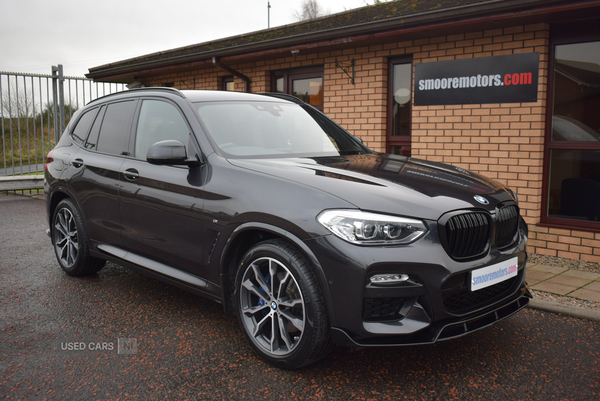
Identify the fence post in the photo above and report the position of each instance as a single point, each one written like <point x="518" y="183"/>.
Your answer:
<point x="58" y="96"/>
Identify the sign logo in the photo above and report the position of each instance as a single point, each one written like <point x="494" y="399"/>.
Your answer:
<point x="481" y="200"/>
<point x="500" y="79"/>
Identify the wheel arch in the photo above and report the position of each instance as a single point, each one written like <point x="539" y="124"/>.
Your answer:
<point x="56" y="197"/>
<point x="249" y="234"/>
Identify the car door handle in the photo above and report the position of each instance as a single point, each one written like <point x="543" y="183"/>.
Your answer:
<point x="131" y="174"/>
<point x="77" y="163"/>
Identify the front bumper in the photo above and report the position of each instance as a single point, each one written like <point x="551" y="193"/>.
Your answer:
<point x="433" y="332"/>
<point x="434" y="304"/>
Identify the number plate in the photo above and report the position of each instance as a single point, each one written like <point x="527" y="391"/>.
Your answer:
<point x="494" y="274"/>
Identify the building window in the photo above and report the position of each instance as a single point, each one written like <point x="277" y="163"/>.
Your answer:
<point x="399" y="106"/>
<point x="305" y="83"/>
<point x="227" y="83"/>
<point x="572" y="148"/>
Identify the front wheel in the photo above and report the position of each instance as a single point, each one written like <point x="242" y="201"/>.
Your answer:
<point x="70" y="241"/>
<point x="280" y="307"/>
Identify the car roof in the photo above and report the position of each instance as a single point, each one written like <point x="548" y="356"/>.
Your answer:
<point x="194" y="95"/>
<point x="218" y="96"/>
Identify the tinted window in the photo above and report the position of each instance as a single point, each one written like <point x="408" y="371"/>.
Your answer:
<point x="92" y="140"/>
<point x="159" y="121"/>
<point x="115" y="127"/>
<point x="82" y="128"/>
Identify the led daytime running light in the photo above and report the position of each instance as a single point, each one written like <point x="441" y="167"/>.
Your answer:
<point x="367" y="228"/>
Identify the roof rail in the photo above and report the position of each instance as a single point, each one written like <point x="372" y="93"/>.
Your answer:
<point x="284" y="96"/>
<point x="150" y="88"/>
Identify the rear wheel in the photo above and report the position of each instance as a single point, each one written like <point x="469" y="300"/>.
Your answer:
<point x="70" y="241"/>
<point x="280" y="307"/>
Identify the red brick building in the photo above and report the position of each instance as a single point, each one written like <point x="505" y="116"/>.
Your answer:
<point x="359" y="67"/>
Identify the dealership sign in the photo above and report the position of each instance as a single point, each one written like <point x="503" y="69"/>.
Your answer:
<point x="500" y="79"/>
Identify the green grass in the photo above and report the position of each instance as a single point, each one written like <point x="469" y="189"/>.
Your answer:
<point x="30" y="150"/>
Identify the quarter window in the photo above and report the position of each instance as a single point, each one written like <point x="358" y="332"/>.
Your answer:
<point x="82" y="128"/>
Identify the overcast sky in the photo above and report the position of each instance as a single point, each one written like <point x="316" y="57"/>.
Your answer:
<point x="79" y="34"/>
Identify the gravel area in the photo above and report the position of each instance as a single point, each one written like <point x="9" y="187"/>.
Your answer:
<point x="535" y="259"/>
<point x="565" y="300"/>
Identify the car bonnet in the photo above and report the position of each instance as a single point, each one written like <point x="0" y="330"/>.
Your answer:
<point x="388" y="183"/>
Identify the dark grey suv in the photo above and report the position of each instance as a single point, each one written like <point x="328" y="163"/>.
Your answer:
<point x="267" y="206"/>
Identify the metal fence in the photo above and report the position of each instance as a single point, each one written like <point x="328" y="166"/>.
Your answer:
<point x="34" y="111"/>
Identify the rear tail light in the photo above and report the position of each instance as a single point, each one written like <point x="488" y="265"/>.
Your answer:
<point x="48" y="160"/>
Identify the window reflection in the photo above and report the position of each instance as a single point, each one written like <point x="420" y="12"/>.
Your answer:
<point x="309" y="90"/>
<point x="574" y="156"/>
<point x="577" y="93"/>
<point x="401" y="100"/>
<point x="399" y="107"/>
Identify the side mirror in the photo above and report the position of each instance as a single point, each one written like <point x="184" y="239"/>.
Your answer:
<point x="169" y="152"/>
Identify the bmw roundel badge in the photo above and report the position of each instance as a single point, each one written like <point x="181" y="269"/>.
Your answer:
<point x="481" y="200"/>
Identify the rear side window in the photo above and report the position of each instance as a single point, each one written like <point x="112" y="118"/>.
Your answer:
<point x="82" y="128"/>
<point x="114" y="133"/>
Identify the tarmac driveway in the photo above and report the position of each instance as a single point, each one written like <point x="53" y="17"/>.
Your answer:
<point x="120" y="335"/>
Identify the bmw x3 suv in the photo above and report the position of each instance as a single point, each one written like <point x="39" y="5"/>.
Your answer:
<point x="265" y="205"/>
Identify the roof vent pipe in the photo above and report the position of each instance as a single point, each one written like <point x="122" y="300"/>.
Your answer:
<point x="230" y="70"/>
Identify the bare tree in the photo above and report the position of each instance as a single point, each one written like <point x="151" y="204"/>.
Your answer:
<point x="310" y="9"/>
<point x="16" y="102"/>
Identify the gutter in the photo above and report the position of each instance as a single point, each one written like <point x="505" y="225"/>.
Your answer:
<point x="496" y="10"/>
<point x="217" y="63"/>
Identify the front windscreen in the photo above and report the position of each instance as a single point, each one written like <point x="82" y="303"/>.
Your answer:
<point x="253" y="129"/>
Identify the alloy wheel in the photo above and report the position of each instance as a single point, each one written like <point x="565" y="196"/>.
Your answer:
<point x="66" y="238"/>
<point x="272" y="306"/>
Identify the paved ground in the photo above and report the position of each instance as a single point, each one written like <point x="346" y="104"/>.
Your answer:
<point x="120" y="335"/>
<point x="563" y="281"/>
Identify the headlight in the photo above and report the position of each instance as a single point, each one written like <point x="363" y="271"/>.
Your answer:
<point x="365" y="228"/>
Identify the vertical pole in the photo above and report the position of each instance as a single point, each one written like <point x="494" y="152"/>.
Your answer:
<point x="19" y="116"/>
<point x="268" y="14"/>
<point x="2" y="118"/>
<point x="10" y="114"/>
<point x="35" y="158"/>
<point x="61" y="94"/>
<point x="55" y="102"/>
<point x="58" y="95"/>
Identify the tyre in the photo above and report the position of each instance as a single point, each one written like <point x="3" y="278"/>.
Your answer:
<point x="70" y="241"/>
<point x="280" y="306"/>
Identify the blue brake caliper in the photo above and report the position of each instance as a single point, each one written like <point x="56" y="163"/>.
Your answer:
<point x="261" y="301"/>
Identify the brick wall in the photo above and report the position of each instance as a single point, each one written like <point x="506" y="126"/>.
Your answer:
<point x="501" y="141"/>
